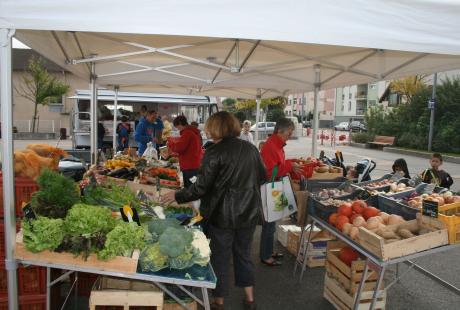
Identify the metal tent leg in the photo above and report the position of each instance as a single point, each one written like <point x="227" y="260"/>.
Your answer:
<point x="361" y="286"/>
<point x="7" y="164"/>
<point x="377" y="288"/>
<point x="204" y="292"/>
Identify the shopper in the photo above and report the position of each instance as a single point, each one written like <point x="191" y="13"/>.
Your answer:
<point x="145" y="131"/>
<point x="142" y="114"/>
<point x="123" y="132"/>
<point x="272" y="153"/>
<point x="400" y="166"/>
<point x="228" y="184"/>
<point x="197" y="126"/>
<point x="100" y="135"/>
<point x="435" y="175"/>
<point x="188" y="146"/>
<point x="246" y="135"/>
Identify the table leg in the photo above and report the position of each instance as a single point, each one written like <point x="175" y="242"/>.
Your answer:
<point x="305" y="250"/>
<point x="377" y="288"/>
<point x="206" y="304"/>
<point x="361" y="286"/>
<point x="48" y="288"/>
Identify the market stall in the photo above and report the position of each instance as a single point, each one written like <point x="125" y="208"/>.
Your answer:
<point x="225" y="59"/>
<point x="378" y="228"/>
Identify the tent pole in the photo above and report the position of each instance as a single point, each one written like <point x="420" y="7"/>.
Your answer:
<point x="314" y="149"/>
<point x="7" y="165"/>
<point x="94" y="120"/>
<point x="256" y="138"/>
<point x="433" y="98"/>
<point x="115" y="116"/>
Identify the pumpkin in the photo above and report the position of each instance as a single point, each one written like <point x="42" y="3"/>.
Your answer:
<point x="333" y="218"/>
<point x="345" y="209"/>
<point x="348" y="255"/>
<point x="358" y="206"/>
<point x="341" y="221"/>
<point x="370" y="212"/>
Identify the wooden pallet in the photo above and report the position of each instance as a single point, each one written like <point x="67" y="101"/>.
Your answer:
<point x="348" y="277"/>
<point x="108" y="291"/>
<point x="118" y="264"/>
<point x="341" y="300"/>
<point x="376" y="244"/>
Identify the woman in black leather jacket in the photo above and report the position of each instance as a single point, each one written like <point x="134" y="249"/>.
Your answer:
<point x="228" y="184"/>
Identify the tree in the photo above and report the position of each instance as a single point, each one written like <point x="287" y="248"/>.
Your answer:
<point x="39" y="86"/>
<point x="409" y="86"/>
<point x="249" y="105"/>
<point x="229" y="104"/>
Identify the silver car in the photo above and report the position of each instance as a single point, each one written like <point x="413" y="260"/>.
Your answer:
<point x="264" y="127"/>
<point x="343" y="126"/>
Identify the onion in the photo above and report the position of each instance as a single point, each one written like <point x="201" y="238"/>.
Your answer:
<point x="384" y="217"/>
<point x="354" y="233"/>
<point x="372" y="223"/>
<point x="346" y="228"/>
<point x="359" y="221"/>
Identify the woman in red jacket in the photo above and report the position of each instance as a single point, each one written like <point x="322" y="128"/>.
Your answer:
<point x="188" y="146"/>
<point x="272" y="154"/>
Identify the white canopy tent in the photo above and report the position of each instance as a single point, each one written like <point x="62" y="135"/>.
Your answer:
<point x="236" y="48"/>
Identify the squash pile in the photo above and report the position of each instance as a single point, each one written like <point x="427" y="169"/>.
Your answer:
<point x="350" y="216"/>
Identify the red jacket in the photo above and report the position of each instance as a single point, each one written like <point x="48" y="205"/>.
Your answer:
<point x="188" y="146"/>
<point x="273" y="155"/>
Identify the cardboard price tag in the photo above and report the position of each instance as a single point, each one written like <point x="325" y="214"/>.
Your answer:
<point x="430" y="208"/>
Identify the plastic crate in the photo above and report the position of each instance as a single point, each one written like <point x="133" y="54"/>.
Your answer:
<point x="392" y="206"/>
<point x="31" y="281"/>
<point x="307" y="170"/>
<point x="85" y="283"/>
<point x="314" y="186"/>
<point x="24" y="188"/>
<point x="33" y="302"/>
<point x="450" y="215"/>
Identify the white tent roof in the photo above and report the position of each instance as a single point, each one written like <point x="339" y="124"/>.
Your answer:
<point x="231" y="49"/>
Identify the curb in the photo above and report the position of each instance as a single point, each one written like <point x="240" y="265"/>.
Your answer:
<point x="360" y="145"/>
<point x="447" y="159"/>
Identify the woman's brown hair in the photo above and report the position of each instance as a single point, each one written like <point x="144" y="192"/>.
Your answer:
<point x="222" y="125"/>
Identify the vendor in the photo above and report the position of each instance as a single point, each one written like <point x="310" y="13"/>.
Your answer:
<point x="188" y="146"/>
<point x="272" y="153"/>
<point x="123" y="132"/>
<point x="228" y="184"/>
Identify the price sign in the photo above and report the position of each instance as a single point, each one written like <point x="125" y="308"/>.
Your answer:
<point x="430" y="208"/>
<point x="431" y="104"/>
<point x="28" y="212"/>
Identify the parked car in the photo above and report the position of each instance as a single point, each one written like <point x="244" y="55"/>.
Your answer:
<point x="264" y="127"/>
<point x="343" y="126"/>
<point x="357" y="126"/>
<point x="306" y="124"/>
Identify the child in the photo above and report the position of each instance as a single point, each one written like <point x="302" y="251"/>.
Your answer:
<point x="123" y="132"/>
<point x="400" y="166"/>
<point x="435" y="175"/>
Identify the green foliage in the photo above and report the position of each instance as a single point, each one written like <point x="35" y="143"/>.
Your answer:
<point x="275" y="114"/>
<point x="152" y="260"/>
<point x="362" y="137"/>
<point x="39" y="86"/>
<point x="174" y="241"/>
<point x="109" y="195"/>
<point x="86" y="220"/>
<point x="56" y="196"/>
<point x="409" y="123"/>
<point x="241" y="116"/>
<point x="42" y="234"/>
<point x="229" y="104"/>
<point x="122" y="240"/>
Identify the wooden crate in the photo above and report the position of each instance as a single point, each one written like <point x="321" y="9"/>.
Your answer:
<point x="377" y="246"/>
<point x="294" y="239"/>
<point x="325" y="176"/>
<point x="348" y="277"/>
<point x="118" y="264"/>
<point x="193" y="305"/>
<point x="109" y="291"/>
<point x="314" y="262"/>
<point x="342" y="300"/>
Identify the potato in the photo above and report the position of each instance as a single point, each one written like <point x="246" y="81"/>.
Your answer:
<point x="390" y="240"/>
<point x="386" y="234"/>
<point x="405" y="233"/>
<point x="411" y="226"/>
<point x="395" y="219"/>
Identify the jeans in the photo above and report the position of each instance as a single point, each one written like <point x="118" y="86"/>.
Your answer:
<point x="224" y="244"/>
<point x="188" y="174"/>
<point x="267" y="239"/>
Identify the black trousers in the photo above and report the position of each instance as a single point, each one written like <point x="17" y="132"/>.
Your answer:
<point x="224" y="244"/>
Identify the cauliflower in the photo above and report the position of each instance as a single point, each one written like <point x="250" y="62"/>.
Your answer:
<point x="201" y="249"/>
<point x="152" y="260"/>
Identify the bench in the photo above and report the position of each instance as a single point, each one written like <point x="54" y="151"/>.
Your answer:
<point x="383" y="141"/>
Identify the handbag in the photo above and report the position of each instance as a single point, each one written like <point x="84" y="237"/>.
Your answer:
<point x="278" y="200"/>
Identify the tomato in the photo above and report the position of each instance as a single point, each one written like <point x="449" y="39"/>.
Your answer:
<point x="345" y="209"/>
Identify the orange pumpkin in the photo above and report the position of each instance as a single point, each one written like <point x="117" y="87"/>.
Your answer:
<point x="370" y="212"/>
<point x="341" y="221"/>
<point x="345" y="209"/>
<point x="348" y="255"/>
<point x="333" y="218"/>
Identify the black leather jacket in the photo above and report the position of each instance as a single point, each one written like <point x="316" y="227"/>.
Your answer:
<point x="228" y="184"/>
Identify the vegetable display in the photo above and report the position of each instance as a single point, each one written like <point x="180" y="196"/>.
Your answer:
<point x="56" y="196"/>
<point x="109" y="195"/>
<point x="122" y="240"/>
<point x="42" y="234"/>
<point x="87" y="220"/>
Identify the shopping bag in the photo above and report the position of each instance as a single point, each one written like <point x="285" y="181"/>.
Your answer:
<point x="150" y="152"/>
<point x="278" y="199"/>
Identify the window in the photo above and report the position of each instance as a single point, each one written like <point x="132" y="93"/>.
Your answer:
<point x="289" y="101"/>
<point x="343" y="96"/>
<point x="295" y="101"/>
<point x="343" y="106"/>
<point x="372" y="86"/>
<point x="372" y="102"/>
<point x="349" y="105"/>
<point x="56" y="105"/>
<point x="349" y="95"/>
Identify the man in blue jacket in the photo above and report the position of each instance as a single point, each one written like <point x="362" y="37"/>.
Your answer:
<point x="147" y="131"/>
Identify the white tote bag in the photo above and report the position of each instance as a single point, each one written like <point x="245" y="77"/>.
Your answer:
<point x="278" y="199"/>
